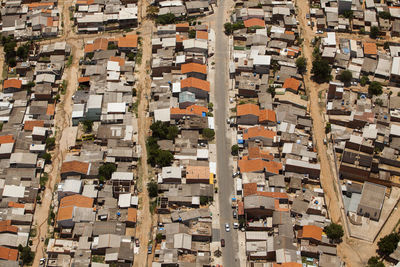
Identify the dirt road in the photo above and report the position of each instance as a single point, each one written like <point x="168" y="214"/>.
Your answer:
<point x="353" y="252"/>
<point x="145" y="218"/>
<point x="62" y="121"/>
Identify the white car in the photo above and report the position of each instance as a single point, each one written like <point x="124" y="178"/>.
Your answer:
<point x="227" y="228"/>
<point x="235" y="225"/>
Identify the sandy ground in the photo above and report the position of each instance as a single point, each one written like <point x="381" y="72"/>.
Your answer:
<point x="143" y="83"/>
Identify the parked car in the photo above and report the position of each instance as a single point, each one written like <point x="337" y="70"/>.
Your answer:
<point x="227" y="228"/>
<point x="235" y="174"/>
<point x="234" y="214"/>
<point x="137" y="242"/>
<point x="307" y="16"/>
<point x="222" y="242"/>
<point x="150" y="249"/>
<point x="235" y="225"/>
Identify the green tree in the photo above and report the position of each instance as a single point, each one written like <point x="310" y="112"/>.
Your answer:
<point x="384" y="15"/>
<point x="387" y="244"/>
<point x="159" y="237"/>
<point x="386" y="45"/>
<point x="375" y="88"/>
<point x="328" y="127"/>
<point x="192" y="34"/>
<point x="208" y="134"/>
<point x="87" y="126"/>
<point x="106" y="170"/>
<point x="50" y="143"/>
<point x="46" y="157"/>
<point x="26" y="255"/>
<point x="112" y="46"/>
<point x="204" y="200"/>
<point x="301" y="64"/>
<point x="334" y="231"/>
<point x="166" y="19"/>
<point x="348" y="14"/>
<point x="321" y="70"/>
<point x="164" y="158"/>
<point x="364" y="80"/>
<point x="152" y="189"/>
<point x="159" y="130"/>
<point x="375" y="262"/>
<point x="234" y="150"/>
<point x="23" y="51"/>
<point x="346" y="76"/>
<point x="43" y="179"/>
<point x="172" y="132"/>
<point x="374" y="32"/>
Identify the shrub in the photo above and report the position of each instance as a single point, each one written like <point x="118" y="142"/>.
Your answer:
<point x="208" y="134"/>
<point x="106" y="170"/>
<point x="234" y="150"/>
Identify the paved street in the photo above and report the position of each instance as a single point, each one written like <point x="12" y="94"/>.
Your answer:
<point x="224" y="171"/>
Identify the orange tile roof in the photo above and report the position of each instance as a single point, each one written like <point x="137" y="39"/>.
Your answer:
<point x="132" y="215"/>
<point x="288" y="264"/>
<point x="202" y="35"/>
<point x="240" y="206"/>
<point x="100" y="44"/>
<point x="75" y="166"/>
<point x="257" y="165"/>
<point x="13" y="204"/>
<point x="5" y="226"/>
<point x="258" y="131"/>
<point x="267" y="115"/>
<point x="180" y="38"/>
<point x="49" y="21"/>
<point x="254" y="22"/>
<point x="193" y="67"/>
<point x="256" y="153"/>
<point x="197" y="172"/>
<point x="83" y="79"/>
<point x="196" y="83"/>
<point x="249" y="189"/>
<point x="29" y="125"/>
<point x="128" y="41"/>
<point x="277" y="195"/>
<point x="68" y="203"/>
<point x="182" y="25"/>
<point x="13" y="83"/>
<point x="89" y="48"/>
<point x="8" y="254"/>
<point x="120" y="60"/>
<point x="35" y="5"/>
<point x="311" y="231"/>
<point x="50" y="109"/>
<point x="289" y="32"/>
<point x="84" y="2"/>
<point x="291" y="83"/>
<point x="370" y="49"/>
<point x="254" y="165"/>
<point x="277" y="207"/>
<point x="190" y="110"/>
<point x="7" y="139"/>
<point x="247" y="109"/>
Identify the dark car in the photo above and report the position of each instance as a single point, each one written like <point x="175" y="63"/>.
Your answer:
<point x="150" y="249"/>
<point x="222" y="242"/>
<point x="234" y="214"/>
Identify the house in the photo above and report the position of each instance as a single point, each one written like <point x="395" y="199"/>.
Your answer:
<point x="200" y="88"/>
<point x="395" y="71"/>
<point x="312" y="233"/>
<point x="197" y="174"/>
<point x="250" y="114"/>
<point x="258" y="165"/>
<point x="12" y="85"/>
<point x="370" y="50"/>
<point x="371" y="203"/>
<point x="292" y="84"/>
<point x="256" y="207"/>
<point x="261" y="134"/>
<point x="23" y="160"/>
<point x="254" y="23"/>
<point x="72" y="168"/>
<point x="128" y="43"/>
<point x="195" y="70"/>
<point x="72" y="208"/>
<point x="299" y="166"/>
<point x="193" y="110"/>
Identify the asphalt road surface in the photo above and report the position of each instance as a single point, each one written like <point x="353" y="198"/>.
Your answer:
<point x="224" y="171"/>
